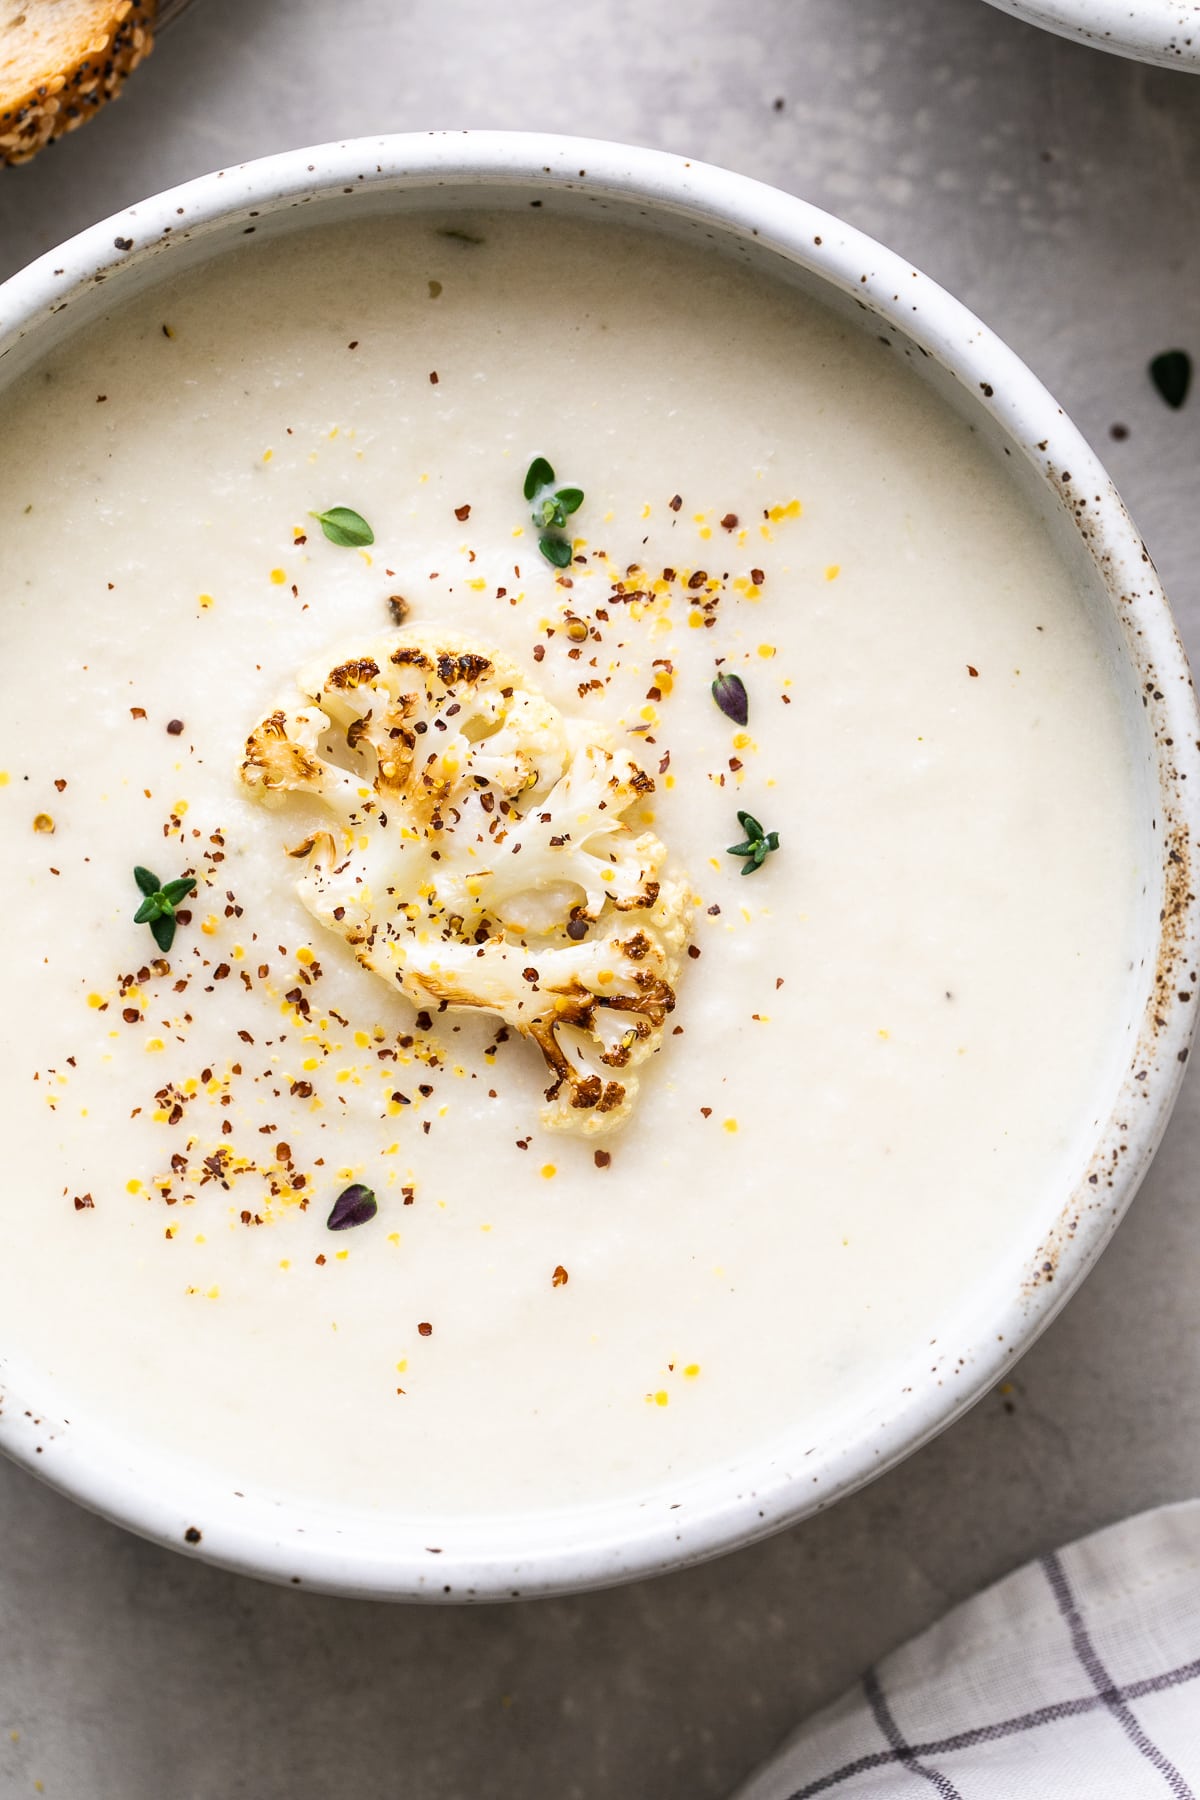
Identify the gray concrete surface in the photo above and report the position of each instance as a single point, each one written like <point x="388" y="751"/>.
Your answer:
<point x="1058" y="192"/>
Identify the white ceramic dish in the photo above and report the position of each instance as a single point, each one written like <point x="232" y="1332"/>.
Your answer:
<point x="386" y="1556"/>
<point x="1154" y="31"/>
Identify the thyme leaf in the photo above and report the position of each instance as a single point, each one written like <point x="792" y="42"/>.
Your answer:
<point x="757" y="846"/>
<point x="538" y="475"/>
<point x="344" y="527"/>
<point x="157" y="909"/>
<point x="729" y="692"/>
<point x="556" y="550"/>
<point x="1171" y="373"/>
<point x="355" y="1205"/>
<point x="552" y="507"/>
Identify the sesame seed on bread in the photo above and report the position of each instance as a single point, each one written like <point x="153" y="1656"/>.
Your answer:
<point x="60" y="60"/>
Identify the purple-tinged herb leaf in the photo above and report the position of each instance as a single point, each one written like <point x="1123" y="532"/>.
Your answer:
<point x="1171" y="373"/>
<point x="729" y="692"/>
<point x="355" y="1205"/>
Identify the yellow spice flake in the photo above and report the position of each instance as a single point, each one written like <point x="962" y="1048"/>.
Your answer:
<point x="692" y="1370"/>
<point x="43" y="822"/>
<point x="662" y="1398"/>
<point x="549" y="1171"/>
<point x="832" y="571"/>
<point x="731" y="1125"/>
<point x="278" y="577"/>
<point x="205" y="601"/>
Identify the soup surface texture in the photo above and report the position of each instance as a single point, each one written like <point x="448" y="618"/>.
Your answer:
<point x="888" y="1037"/>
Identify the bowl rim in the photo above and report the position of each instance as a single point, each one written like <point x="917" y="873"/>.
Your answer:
<point x="616" y="1542"/>
<point x="1166" y="32"/>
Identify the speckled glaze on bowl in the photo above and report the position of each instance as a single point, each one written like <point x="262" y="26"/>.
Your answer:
<point x="389" y="1555"/>
<point x="1153" y="31"/>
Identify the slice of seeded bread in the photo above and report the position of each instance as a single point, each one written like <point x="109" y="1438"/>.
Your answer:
<point x="60" y="60"/>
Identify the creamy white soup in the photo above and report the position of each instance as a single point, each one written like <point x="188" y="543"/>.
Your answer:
<point x="563" y="1075"/>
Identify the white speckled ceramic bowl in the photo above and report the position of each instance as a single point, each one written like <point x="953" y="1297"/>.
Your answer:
<point x="397" y="1557"/>
<point x="1153" y="31"/>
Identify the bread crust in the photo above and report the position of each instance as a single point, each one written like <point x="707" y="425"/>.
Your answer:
<point x="59" y="99"/>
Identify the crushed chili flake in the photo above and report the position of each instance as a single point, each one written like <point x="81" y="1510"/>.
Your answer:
<point x="462" y="514"/>
<point x="174" y="727"/>
<point x="425" y="1328"/>
<point x="560" y="1277"/>
<point x="602" y="1159"/>
<point x="83" y="1202"/>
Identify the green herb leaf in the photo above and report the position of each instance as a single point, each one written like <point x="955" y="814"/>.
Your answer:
<point x="157" y="909"/>
<point x="729" y="692"/>
<point x="555" y="550"/>
<point x="1171" y="373"/>
<point x="550" y="513"/>
<point x="538" y="475"/>
<point x="758" y="845"/>
<point x="571" y="499"/>
<point x="162" y="930"/>
<point x="344" y="527"/>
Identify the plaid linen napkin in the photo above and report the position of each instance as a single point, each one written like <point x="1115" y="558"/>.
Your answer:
<point x="1076" y="1678"/>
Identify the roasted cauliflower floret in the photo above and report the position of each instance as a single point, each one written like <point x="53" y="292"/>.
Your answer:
<point x="477" y="855"/>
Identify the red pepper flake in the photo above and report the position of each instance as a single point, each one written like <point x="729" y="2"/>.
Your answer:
<point x="972" y="671"/>
<point x="353" y="344"/>
<point x="778" y="983"/>
<point x="693" y="951"/>
<point x="729" y="522"/>
<point x="698" y="579"/>
<point x="757" y="577"/>
<point x="706" y="1112"/>
<point x="320" y="1260"/>
<point x="408" y="1194"/>
<point x="433" y="377"/>
<point x="283" y="1153"/>
<point x="425" y="1328"/>
<point x="84" y="1202"/>
<point x="560" y="1277"/>
<point x="462" y="514"/>
<point x="675" y="502"/>
<point x="131" y="1015"/>
<point x="539" y="650"/>
<point x="174" y="727"/>
<point x="60" y="784"/>
<point x="714" y="909"/>
<point x="137" y="712"/>
<point x="602" y="1159"/>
